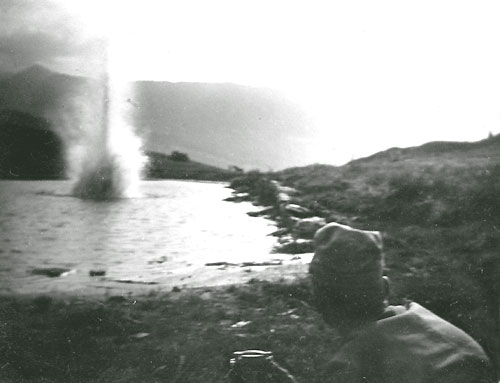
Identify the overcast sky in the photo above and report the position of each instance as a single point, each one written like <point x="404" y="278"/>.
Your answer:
<point x="372" y="74"/>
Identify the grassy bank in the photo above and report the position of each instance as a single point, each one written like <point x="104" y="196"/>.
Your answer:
<point x="177" y="337"/>
<point x="438" y="207"/>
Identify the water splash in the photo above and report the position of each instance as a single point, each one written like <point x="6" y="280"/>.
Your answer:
<point x="108" y="162"/>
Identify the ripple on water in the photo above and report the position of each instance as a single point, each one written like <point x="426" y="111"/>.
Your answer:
<point x="187" y="221"/>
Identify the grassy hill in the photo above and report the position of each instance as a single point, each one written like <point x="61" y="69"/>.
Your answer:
<point x="438" y="207"/>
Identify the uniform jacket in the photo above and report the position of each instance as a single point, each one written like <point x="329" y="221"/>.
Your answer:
<point x="410" y="345"/>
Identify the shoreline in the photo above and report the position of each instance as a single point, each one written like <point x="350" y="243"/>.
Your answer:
<point x="79" y="280"/>
<point x="204" y="277"/>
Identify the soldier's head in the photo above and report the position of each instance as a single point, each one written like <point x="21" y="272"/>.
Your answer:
<point x="347" y="276"/>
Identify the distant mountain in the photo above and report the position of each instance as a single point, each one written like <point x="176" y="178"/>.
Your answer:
<point x="220" y="124"/>
<point x="38" y="91"/>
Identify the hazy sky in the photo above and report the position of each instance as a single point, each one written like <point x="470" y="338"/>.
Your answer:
<point x="373" y="74"/>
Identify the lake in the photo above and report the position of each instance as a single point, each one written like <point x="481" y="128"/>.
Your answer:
<point x="160" y="240"/>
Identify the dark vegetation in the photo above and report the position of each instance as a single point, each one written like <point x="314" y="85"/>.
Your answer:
<point x="438" y="207"/>
<point x="179" y="337"/>
<point x="28" y="148"/>
<point x="178" y="156"/>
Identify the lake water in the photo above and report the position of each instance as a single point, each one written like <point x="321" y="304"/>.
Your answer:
<point x="162" y="239"/>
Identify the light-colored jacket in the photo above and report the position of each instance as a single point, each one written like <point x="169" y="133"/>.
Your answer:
<point x="410" y="345"/>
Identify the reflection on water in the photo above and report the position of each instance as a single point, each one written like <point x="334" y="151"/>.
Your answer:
<point x="175" y="228"/>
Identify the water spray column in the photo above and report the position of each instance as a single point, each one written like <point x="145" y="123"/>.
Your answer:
<point x="95" y="179"/>
<point x="112" y="163"/>
<point x="124" y="144"/>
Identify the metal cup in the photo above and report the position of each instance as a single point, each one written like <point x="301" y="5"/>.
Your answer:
<point x="250" y="366"/>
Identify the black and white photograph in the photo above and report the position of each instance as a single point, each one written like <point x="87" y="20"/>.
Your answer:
<point x="235" y="191"/>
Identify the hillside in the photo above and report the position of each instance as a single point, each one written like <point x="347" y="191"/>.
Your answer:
<point x="222" y="124"/>
<point x="447" y="172"/>
<point x="161" y="166"/>
<point x="438" y="207"/>
<point x="218" y="124"/>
